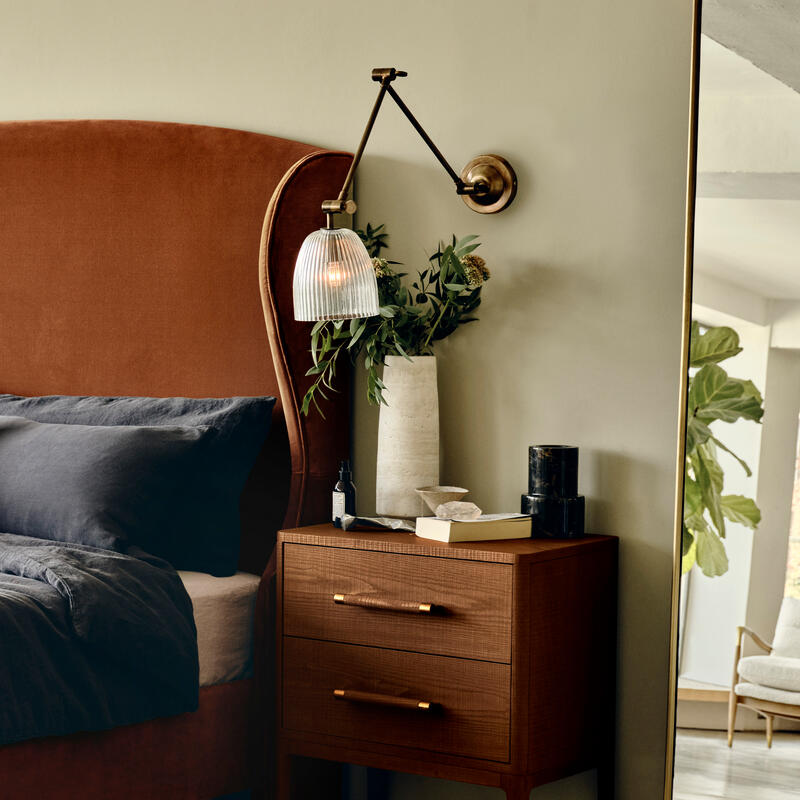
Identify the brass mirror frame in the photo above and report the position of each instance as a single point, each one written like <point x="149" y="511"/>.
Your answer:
<point x="688" y="274"/>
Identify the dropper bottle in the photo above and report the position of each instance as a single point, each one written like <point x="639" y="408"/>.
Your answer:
<point x="344" y="494"/>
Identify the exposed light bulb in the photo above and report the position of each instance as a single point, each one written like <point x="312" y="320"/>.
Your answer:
<point x="335" y="274"/>
<point x="334" y="277"/>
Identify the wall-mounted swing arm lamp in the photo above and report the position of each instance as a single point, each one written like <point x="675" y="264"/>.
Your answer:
<point x="333" y="276"/>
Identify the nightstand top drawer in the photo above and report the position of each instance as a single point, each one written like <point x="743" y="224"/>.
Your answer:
<point x="444" y="705"/>
<point x="415" y="603"/>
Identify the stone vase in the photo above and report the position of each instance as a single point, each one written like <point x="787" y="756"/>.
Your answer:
<point x="408" y="436"/>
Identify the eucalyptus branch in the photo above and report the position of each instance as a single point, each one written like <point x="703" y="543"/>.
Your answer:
<point x="444" y="295"/>
<point x="435" y="324"/>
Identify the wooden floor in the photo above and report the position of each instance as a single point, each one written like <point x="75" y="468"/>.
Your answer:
<point x="706" y="769"/>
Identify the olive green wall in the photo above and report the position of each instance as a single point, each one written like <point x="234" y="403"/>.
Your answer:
<point x="579" y="335"/>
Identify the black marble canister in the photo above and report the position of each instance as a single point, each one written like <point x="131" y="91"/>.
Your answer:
<point x="553" y="501"/>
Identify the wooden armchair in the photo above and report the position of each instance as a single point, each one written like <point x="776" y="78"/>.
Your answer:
<point x="770" y="685"/>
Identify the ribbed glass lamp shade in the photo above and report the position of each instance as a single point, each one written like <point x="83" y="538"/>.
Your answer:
<point x="334" y="278"/>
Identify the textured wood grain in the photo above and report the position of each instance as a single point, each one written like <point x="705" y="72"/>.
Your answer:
<point x="470" y="618"/>
<point x="507" y="551"/>
<point x="557" y="694"/>
<point x="471" y="697"/>
<point x="571" y="638"/>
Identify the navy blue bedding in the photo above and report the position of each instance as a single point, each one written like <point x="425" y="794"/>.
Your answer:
<point x="90" y="639"/>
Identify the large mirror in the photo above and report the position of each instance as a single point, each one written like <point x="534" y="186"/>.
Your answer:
<point x="737" y="646"/>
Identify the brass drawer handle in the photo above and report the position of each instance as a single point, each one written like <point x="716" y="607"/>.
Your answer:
<point x="383" y="700"/>
<point x="366" y="601"/>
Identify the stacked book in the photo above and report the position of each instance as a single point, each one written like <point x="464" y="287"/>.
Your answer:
<point x="484" y="528"/>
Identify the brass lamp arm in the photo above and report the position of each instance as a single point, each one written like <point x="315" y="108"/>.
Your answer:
<point x="460" y="185"/>
<point x="487" y="184"/>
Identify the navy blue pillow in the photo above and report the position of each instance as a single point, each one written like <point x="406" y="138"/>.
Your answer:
<point x="107" y="487"/>
<point x="228" y="416"/>
<point x="204" y="502"/>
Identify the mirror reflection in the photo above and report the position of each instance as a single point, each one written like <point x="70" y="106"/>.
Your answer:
<point x="738" y="712"/>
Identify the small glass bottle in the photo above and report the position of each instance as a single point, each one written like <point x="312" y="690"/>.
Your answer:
<point x="344" y="495"/>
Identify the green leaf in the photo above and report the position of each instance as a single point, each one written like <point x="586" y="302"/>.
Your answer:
<point x="692" y="497"/>
<point x="465" y="241"/>
<point x="713" y="346"/>
<point x="318" y="326"/>
<point x="455" y="287"/>
<point x="689" y="554"/>
<point x="697" y="433"/>
<point x="401" y="351"/>
<point x="711" y="556"/>
<point x="687" y="540"/>
<point x="709" y="477"/>
<point x="357" y="335"/>
<point x="318" y="368"/>
<point x="749" y="389"/>
<point x="387" y="311"/>
<point x="743" y="510"/>
<point x="732" y="408"/>
<point x="711" y="385"/>
<point x="730" y="452"/>
<point x="461" y="252"/>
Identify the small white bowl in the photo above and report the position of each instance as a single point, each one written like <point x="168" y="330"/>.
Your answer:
<point x="434" y="496"/>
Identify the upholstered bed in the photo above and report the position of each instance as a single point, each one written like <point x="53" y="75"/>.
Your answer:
<point x="131" y="265"/>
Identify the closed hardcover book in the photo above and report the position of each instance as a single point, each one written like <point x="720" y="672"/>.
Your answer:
<point x="489" y="527"/>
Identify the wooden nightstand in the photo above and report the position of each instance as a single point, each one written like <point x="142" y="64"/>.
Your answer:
<point x="486" y="662"/>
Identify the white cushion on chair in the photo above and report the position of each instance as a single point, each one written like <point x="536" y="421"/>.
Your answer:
<point x="767" y="693"/>
<point x="771" y="671"/>
<point x="787" y="630"/>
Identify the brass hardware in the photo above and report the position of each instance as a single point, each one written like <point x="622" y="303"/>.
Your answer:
<point x="490" y="184"/>
<point x="381" y="604"/>
<point x="339" y="207"/>
<point x="388" y="700"/>
<point x="387" y="74"/>
<point x="487" y="184"/>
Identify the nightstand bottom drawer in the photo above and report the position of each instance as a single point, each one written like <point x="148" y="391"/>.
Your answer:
<point x="448" y="705"/>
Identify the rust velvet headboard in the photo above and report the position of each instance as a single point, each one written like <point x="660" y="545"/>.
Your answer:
<point x="129" y="265"/>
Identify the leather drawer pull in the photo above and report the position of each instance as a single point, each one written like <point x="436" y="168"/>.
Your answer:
<point x="383" y="700"/>
<point x="365" y="601"/>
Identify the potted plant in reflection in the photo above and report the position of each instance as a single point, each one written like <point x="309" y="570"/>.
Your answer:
<point x="714" y="396"/>
<point x="401" y="340"/>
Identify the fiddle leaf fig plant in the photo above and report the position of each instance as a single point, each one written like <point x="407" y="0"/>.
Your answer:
<point x="714" y="396"/>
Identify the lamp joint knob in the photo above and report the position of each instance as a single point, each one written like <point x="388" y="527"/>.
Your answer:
<point x="387" y="74"/>
<point x="338" y="207"/>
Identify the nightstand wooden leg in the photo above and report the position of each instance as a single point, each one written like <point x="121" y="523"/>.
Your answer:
<point x="516" y="787"/>
<point x="283" y="777"/>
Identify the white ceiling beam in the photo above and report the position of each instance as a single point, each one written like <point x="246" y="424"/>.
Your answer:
<point x="765" y="32"/>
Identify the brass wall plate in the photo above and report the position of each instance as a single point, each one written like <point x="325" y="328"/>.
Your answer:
<point x="499" y="178"/>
